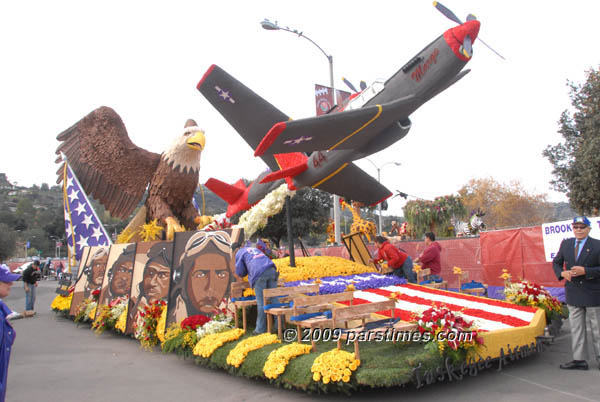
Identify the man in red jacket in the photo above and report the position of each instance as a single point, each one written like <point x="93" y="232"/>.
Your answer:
<point x="431" y="256"/>
<point x="396" y="259"/>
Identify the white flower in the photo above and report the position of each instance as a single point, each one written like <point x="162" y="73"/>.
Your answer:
<point x="257" y="217"/>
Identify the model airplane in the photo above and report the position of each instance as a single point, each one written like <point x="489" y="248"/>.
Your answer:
<point x="319" y="151"/>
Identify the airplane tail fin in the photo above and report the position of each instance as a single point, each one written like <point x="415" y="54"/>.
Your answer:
<point x="233" y="195"/>
<point x="291" y="165"/>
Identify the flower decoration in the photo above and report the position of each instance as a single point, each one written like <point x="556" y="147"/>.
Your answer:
<point x="248" y="292"/>
<point x="193" y="322"/>
<point x="109" y="314"/>
<point x="151" y="231"/>
<point x="86" y="311"/>
<point x="238" y="354"/>
<point x="96" y="295"/>
<point x="318" y="267"/>
<point x="527" y="293"/>
<point x="256" y="217"/>
<point x="126" y="235"/>
<point x="62" y="303"/>
<point x="457" y="270"/>
<point x="279" y="358"/>
<point x="505" y="275"/>
<point x="335" y="365"/>
<point x="147" y="332"/>
<point x="339" y="284"/>
<point x="219" y="323"/>
<point x="207" y="345"/>
<point x="121" y="324"/>
<point x="416" y="268"/>
<point x="446" y="333"/>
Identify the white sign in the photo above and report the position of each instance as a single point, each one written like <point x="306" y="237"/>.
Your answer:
<point x="554" y="233"/>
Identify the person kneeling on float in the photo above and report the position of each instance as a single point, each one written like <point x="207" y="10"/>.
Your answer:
<point x="262" y="274"/>
<point x="398" y="260"/>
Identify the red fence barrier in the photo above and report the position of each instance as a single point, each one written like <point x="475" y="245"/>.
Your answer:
<point x="520" y="251"/>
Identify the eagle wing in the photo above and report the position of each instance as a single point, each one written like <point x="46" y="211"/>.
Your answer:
<point x="110" y="167"/>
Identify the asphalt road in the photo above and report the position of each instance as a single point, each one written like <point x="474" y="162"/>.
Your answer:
<point x="54" y="360"/>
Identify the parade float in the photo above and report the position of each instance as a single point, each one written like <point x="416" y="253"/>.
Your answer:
<point x="344" y="326"/>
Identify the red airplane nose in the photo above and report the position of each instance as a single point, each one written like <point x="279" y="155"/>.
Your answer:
<point x="455" y="36"/>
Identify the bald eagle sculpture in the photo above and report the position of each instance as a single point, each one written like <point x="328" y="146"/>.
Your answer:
<point x="116" y="172"/>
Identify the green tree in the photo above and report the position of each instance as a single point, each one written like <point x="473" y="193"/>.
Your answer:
<point x="7" y="242"/>
<point x="576" y="160"/>
<point x="424" y="215"/>
<point x="310" y="216"/>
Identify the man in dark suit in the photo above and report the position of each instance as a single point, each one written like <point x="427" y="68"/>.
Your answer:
<point x="578" y="261"/>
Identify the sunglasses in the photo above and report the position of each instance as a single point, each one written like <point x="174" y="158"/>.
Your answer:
<point x="580" y="227"/>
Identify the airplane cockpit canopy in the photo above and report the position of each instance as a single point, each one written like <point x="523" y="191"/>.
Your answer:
<point x="369" y="93"/>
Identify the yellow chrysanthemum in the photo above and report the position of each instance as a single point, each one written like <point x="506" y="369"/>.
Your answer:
<point x="122" y="321"/>
<point x="160" y="325"/>
<point x="61" y="303"/>
<point x="207" y="345"/>
<point x="335" y="365"/>
<point x="125" y="236"/>
<point x="151" y="231"/>
<point x="92" y="313"/>
<point x="279" y="359"/>
<point x="237" y="355"/>
<point x="318" y="267"/>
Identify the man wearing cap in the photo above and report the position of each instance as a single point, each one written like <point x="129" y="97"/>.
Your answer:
<point x="578" y="262"/>
<point x="31" y="276"/>
<point x="8" y="333"/>
<point x="262" y="274"/>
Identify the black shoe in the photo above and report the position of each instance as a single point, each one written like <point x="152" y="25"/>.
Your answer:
<point x="575" y="365"/>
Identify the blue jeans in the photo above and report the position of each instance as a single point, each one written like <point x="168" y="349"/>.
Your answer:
<point x="407" y="268"/>
<point x="267" y="280"/>
<point x="406" y="271"/>
<point x="29" y="297"/>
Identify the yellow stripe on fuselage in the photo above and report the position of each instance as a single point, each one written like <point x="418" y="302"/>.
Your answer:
<point x="362" y="127"/>
<point x="330" y="176"/>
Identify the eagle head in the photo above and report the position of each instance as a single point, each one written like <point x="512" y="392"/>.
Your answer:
<point x="184" y="153"/>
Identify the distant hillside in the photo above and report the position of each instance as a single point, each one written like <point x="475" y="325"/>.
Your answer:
<point x="562" y="211"/>
<point x="213" y="205"/>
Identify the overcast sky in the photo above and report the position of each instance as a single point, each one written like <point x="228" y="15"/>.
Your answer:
<point x="62" y="59"/>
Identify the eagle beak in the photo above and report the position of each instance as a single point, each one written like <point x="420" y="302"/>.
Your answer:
<point x="197" y="141"/>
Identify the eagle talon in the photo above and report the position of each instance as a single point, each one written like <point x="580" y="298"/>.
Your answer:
<point x="172" y="227"/>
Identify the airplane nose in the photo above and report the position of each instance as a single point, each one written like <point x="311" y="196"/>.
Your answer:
<point x="455" y="37"/>
<point x="470" y="28"/>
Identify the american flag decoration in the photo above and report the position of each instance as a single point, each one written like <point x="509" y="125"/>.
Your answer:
<point x="82" y="225"/>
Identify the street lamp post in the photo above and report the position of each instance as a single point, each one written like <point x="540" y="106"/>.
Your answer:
<point x="273" y="26"/>
<point x="379" y="226"/>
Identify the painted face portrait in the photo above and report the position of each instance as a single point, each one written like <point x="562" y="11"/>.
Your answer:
<point x="97" y="273"/>
<point x="208" y="281"/>
<point x="121" y="279"/>
<point x="156" y="280"/>
<point x="205" y="272"/>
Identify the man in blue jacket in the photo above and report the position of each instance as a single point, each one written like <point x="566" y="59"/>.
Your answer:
<point x="262" y="274"/>
<point x="578" y="262"/>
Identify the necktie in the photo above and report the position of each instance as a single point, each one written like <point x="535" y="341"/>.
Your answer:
<point x="577" y="245"/>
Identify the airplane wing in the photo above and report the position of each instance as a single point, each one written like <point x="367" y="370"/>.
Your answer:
<point x="249" y="114"/>
<point x="343" y="130"/>
<point x="352" y="183"/>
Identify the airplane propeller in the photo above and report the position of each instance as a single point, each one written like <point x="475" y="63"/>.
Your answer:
<point x="467" y="49"/>
<point x="349" y="84"/>
<point x="363" y="85"/>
